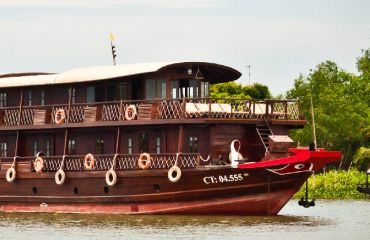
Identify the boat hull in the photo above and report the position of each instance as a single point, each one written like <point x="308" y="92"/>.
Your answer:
<point x="208" y="191"/>
<point x="261" y="188"/>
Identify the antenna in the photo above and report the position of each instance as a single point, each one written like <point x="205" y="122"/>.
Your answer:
<point x="249" y="73"/>
<point x="114" y="55"/>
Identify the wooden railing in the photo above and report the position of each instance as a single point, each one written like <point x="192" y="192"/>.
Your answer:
<point x="153" y="109"/>
<point x="75" y="163"/>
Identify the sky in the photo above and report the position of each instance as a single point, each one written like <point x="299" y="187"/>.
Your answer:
<point x="279" y="39"/>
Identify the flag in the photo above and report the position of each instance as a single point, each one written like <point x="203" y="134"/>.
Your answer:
<point x="111" y="37"/>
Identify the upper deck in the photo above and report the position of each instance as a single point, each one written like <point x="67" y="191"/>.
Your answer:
<point x="159" y="93"/>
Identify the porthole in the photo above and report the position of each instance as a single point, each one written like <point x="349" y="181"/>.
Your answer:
<point x="156" y="187"/>
<point x="75" y="190"/>
<point x="34" y="190"/>
<point x="106" y="189"/>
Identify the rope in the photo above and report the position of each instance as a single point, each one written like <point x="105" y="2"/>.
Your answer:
<point x="177" y="158"/>
<point x="114" y="161"/>
<point x="62" y="163"/>
<point x="14" y="161"/>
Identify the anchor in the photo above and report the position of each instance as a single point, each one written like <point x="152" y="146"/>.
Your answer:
<point x="304" y="202"/>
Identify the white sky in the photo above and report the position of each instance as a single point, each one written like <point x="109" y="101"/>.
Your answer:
<point x="280" y="39"/>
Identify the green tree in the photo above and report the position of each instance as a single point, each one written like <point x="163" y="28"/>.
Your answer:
<point x="235" y="90"/>
<point x="341" y="106"/>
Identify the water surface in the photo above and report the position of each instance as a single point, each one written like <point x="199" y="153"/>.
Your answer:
<point x="336" y="219"/>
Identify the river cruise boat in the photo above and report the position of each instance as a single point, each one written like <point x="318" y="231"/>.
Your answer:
<point x="147" y="139"/>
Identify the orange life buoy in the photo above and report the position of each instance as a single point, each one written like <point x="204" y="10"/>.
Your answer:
<point x="38" y="164"/>
<point x="130" y="112"/>
<point x="60" y="116"/>
<point x="144" y="161"/>
<point x="89" y="161"/>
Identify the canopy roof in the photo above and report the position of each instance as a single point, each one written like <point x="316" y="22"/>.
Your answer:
<point x="215" y="73"/>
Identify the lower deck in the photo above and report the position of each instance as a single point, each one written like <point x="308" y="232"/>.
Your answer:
<point x="203" y="139"/>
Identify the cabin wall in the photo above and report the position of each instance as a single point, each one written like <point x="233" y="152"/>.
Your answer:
<point x="223" y="135"/>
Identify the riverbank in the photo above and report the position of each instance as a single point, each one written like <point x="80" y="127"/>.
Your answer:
<point x="335" y="185"/>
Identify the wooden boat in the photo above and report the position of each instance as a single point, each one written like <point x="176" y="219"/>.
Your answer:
<point x="146" y="139"/>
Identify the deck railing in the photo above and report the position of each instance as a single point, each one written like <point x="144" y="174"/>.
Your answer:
<point x="153" y="109"/>
<point x="75" y="163"/>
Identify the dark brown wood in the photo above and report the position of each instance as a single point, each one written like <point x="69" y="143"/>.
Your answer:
<point x="65" y="150"/>
<point x="181" y="139"/>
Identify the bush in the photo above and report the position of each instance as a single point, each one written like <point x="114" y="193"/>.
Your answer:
<point x="334" y="185"/>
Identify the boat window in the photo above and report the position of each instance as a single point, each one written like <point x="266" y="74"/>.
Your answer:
<point x="175" y="89"/>
<point x="42" y="97"/>
<point x="35" y="148"/>
<point x="129" y="146"/>
<point x="99" y="147"/>
<point x="193" y="144"/>
<point x="161" y="88"/>
<point x="71" y="147"/>
<point x="3" y="99"/>
<point x="143" y="143"/>
<point x="150" y="89"/>
<point x="158" y="145"/>
<point x="29" y="97"/>
<point x="100" y="93"/>
<point x="122" y="91"/>
<point x="193" y="88"/>
<point x="72" y="94"/>
<point x="90" y="94"/>
<point x="4" y="149"/>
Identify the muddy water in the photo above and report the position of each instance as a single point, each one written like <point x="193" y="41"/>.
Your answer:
<point x="337" y="220"/>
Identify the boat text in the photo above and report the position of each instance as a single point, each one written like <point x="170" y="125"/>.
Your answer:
<point x="225" y="178"/>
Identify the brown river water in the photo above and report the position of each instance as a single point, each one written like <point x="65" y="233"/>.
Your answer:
<point x="329" y="220"/>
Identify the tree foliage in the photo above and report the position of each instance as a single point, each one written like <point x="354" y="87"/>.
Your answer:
<point x="235" y="90"/>
<point x="341" y="104"/>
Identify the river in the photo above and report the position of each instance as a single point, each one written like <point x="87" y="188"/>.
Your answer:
<point x="330" y="219"/>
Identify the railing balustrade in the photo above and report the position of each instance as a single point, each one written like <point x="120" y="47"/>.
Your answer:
<point x="153" y="109"/>
<point x="75" y="163"/>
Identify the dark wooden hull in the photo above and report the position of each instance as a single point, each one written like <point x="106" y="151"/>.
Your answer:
<point x="255" y="192"/>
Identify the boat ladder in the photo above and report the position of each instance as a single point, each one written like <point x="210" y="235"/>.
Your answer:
<point x="263" y="131"/>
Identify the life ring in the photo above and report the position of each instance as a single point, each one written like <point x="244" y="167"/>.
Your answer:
<point x="60" y="177"/>
<point x="10" y="174"/>
<point x="144" y="161"/>
<point x="89" y="161"/>
<point x="38" y="164"/>
<point x="174" y="174"/>
<point x="60" y="116"/>
<point x="111" y="177"/>
<point x="130" y="113"/>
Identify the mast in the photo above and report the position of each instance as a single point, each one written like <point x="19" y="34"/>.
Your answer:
<point x="313" y="124"/>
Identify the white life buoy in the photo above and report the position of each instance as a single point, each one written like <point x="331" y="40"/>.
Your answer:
<point x="10" y="174"/>
<point x="38" y="164"/>
<point x="89" y="161"/>
<point x="60" y="177"/>
<point x="111" y="177"/>
<point x="130" y="112"/>
<point x="60" y="116"/>
<point x="144" y="161"/>
<point x="174" y="174"/>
